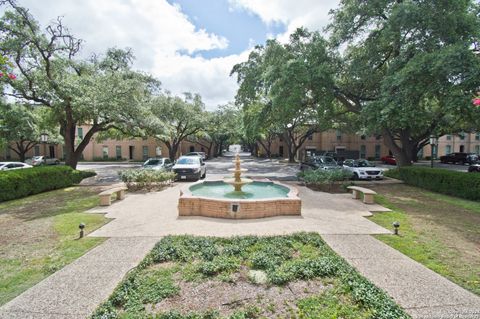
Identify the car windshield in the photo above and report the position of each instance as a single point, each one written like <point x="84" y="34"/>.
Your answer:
<point x="364" y="163"/>
<point x="36" y="157"/>
<point x="188" y="160"/>
<point x="325" y="160"/>
<point x="153" y="162"/>
<point x="2" y="164"/>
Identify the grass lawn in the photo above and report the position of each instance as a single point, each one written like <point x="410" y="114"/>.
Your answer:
<point x="439" y="231"/>
<point x="296" y="276"/>
<point x="39" y="236"/>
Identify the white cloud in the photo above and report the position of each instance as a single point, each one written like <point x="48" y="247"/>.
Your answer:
<point x="165" y="40"/>
<point x="312" y="14"/>
<point x="162" y="37"/>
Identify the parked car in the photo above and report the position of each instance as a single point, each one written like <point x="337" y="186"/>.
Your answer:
<point x="203" y="155"/>
<point x="475" y="168"/>
<point x="161" y="163"/>
<point x="459" y="158"/>
<point x="362" y="169"/>
<point x="44" y="160"/>
<point x="319" y="162"/>
<point x="190" y="167"/>
<point x="6" y="166"/>
<point x="389" y="159"/>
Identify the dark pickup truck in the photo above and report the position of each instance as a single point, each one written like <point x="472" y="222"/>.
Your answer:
<point x="460" y="158"/>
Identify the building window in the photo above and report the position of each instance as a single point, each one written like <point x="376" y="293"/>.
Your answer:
<point x="477" y="149"/>
<point x="80" y="133"/>
<point x="363" y="137"/>
<point x="36" y="150"/>
<point x="449" y="137"/>
<point x="145" y="152"/>
<point x="339" y="135"/>
<point x="462" y="136"/>
<point x="310" y="137"/>
<point x="477" y="136"/>
<point x="378" y="151"/>
<point x="448" y="149"/>
<point x="105" y="152"/>
<point x="8" y="154"/>
<point x="118" y="152"/>
<point x="378" y="136"/>
<point x="363" y="151"/>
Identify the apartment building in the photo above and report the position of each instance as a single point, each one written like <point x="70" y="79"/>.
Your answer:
<point x="346" y="145"/>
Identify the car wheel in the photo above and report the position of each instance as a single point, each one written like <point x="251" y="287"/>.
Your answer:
<point x="57" y="162"/>
<point x="204" y="174"/>
<point x="355" y="176"/>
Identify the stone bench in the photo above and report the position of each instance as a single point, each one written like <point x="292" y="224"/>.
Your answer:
<point x="367" y="194"/>
<point x="106" y="196"/>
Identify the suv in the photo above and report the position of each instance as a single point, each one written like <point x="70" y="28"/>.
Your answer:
<point x="459" y="158"/>
<point x="158" y="164"/>
<point x="362" y="169"/>
<point x="190" y="167"/>
<point x="319" y="162"/>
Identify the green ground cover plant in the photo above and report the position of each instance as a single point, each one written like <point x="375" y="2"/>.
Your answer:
<point x="24" y="182"/>
<point x="40" y="236"/>
<point x="178" y="262"/>
<point x="439" y="231"/>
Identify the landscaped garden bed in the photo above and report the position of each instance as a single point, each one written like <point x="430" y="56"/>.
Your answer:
<point x="296" y="276"/>
<point x="330" y="181"/>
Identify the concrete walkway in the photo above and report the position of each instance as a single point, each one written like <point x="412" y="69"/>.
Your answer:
<point x="76" y="290"/>
<point x="155" y="214"/>
<point x="420" y="291"/>
<point x="142" y="219"/>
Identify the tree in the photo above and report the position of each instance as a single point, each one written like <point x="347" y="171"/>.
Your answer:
<point x="103" y="93"/>
<point x="174" y="119"/>
<point x="22" y="127"/>
<point x="407" y="68"/>
<point x="288" y="81"/>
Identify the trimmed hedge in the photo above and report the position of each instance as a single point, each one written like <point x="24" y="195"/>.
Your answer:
<point x="24" y="182"/>
<point x="458" y="184"/>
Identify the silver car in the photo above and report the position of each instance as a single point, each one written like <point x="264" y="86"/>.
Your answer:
<point x="6" y="166"/>
<point x="44" y="160"/>
<point x="161" y="163"/>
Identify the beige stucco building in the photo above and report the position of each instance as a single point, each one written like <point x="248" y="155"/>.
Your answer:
<point x="350" y="145"/>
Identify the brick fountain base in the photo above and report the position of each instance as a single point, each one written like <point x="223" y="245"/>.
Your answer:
<point x="190" y="205"/>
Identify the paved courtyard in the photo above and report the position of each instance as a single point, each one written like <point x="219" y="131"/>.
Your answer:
<point x="142" y="219"/>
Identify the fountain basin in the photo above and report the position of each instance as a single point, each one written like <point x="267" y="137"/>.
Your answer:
<point x="257" y="200"/>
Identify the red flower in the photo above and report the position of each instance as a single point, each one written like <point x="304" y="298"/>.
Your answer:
<point x="1" y="74"/>
<point x="476" y="101"/>
<point x="12" y="76"/>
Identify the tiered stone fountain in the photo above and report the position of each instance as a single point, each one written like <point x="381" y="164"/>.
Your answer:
<point x="248" y="199"/>
<point x="237" y="181"/>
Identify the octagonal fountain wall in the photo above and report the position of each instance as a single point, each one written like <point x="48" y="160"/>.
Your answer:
<point x="237" y="198"/>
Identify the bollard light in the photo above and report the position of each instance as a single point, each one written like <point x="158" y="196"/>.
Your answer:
<point x="396" y="225"/>
<point x="81" y="226"/>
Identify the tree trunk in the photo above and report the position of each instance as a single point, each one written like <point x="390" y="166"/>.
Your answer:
<point x="403" y="154"/>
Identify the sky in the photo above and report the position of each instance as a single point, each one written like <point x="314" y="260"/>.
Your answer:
<point x="189" y="45"/>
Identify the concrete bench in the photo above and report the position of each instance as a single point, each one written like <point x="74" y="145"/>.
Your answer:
<point x="106" y="196"/>
<point x="367" y="194"/>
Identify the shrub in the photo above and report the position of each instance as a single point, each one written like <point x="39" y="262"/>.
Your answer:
<point x="320" y="176"/>
<point x="459" y="184"/>
<point x="146" y="178"/>
<point x="24" y="182"/>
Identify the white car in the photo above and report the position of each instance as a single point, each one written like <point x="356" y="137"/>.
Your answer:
<point x="6" y="166"/>
<point x="190" y="167"/>
<point x="363" y="169"/>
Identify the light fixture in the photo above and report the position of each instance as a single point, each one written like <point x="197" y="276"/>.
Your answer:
<point x="396" y="226"/>
<point x="81" y="226"/>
